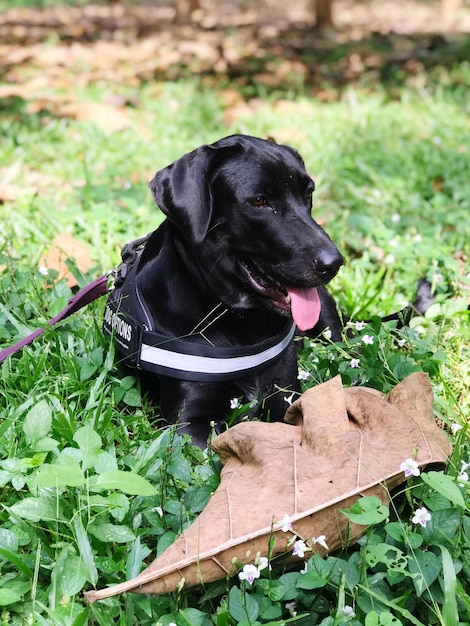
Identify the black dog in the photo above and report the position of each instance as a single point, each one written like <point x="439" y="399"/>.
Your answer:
<point x="204" y="305"/>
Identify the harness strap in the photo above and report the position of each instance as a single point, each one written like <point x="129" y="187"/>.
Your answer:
<point x="185" y="359"/>
<point x="91" y="292"/>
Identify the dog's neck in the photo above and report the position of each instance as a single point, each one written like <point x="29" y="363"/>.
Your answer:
<point x="167" y="269"/>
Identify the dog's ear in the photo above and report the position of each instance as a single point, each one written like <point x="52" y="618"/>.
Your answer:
<point x="183" y="192"/>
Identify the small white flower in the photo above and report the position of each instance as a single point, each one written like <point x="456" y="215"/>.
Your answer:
<point x="401" y="343"/>
<point x="354" y="363"/>
<point x="368" y="340"/>
<point x="360" y="326"/>
<point x="249" y="573"/>
<point x="286" y="523"/>
<point x="299" y="549"/>
<point x="348" y="611"/>
<point x="393" y="243"/>
<point x="291" y="607"/>
<point x="43" y="270"/>
<point x="234" y="403"/>
<point x="420" y="330"/>
<point x="455" y="428"/>
<point x="289" y="399"/>
<point x="302" y="375"/>
<point x="321" y="541"/>
<point x="263" y="563"/>
<point x="327" y="333"/>
<point x="462" y="477"/>
<point x="389" y="259"/>
<point x="172" y="624"/>
<point x="417" y="238"/>
<point x="421" y="516"/>
<point x="395" y="218"/>
<point x="410" y="467"/>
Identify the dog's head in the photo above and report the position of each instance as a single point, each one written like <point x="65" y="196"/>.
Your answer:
<point x="242" y="207"/>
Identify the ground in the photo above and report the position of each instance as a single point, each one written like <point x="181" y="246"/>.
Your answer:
<point x="272" y="47"/>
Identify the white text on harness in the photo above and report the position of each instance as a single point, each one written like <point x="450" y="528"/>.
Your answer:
<point x="120" y="326"/>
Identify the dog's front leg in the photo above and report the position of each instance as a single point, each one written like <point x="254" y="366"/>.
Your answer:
<point x="196" y="407"/>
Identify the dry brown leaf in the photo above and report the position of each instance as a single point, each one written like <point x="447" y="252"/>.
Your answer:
<point x="18" y="180"/>
<point x="291" y="107"/>
<point x="64" y="246"/>
<point x="13" y="90"/>
<point x="291" y="136"/>
<point x="9" y="188"/>
<point x="237" y="112"/>
<point x="107" y="118"/>
<point x="244" y="110"/>
<point x="340" y="444"/>
<point x="10" y="191"/>
<point x="230" y="97"/>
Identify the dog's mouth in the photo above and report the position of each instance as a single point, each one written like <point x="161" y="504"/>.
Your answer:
<point x="302" y="302"/>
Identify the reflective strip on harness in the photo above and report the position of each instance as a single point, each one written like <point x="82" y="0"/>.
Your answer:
<point x="189" y="360"/>
<point x="195" y="367"/>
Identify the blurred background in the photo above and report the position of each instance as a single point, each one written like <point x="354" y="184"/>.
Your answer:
<point x="264" y="43"/>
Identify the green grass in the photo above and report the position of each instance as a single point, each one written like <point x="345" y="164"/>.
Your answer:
<point x="5" y="5"/>
<point x="392" y="190"/>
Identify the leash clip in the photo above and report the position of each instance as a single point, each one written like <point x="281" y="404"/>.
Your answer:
<point x="129" y="255"/>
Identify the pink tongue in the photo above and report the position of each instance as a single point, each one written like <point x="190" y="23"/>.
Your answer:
<point x="305" y="306"/>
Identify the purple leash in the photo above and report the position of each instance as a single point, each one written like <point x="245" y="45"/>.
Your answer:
<point x="91" y="292"/>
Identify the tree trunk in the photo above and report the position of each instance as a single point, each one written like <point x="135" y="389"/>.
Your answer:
<point x="324" y="14"/>
<point x="185" y="8"/>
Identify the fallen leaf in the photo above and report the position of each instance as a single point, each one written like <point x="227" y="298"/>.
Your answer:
<point x="18" y="180"/>
<point x="291" y="107"/>
<point x="107" y="118"/>
<point x="63" y="247"/>
<point x="291" y="136"/>
<point x="237" y="112"/>
<point x="10" y="192"/>
<point x="230" y="98"/>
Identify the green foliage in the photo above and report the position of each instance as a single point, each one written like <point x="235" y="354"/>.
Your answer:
<point x="367" y="511"/>
<point x="93" y="489"/>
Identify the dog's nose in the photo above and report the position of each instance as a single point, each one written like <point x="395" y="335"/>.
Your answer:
<point x="327" y="263"/>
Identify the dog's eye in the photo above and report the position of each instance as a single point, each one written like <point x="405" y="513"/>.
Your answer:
<point x="259" y="201"/>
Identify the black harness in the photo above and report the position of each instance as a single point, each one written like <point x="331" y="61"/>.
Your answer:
<point x="177" y="357"/>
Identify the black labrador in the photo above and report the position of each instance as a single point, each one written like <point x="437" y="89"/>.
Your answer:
<point x="204" y="305"/>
